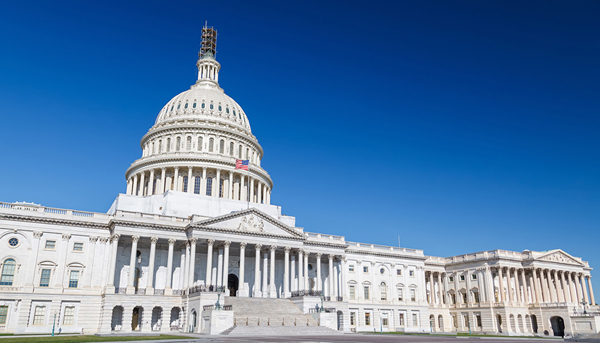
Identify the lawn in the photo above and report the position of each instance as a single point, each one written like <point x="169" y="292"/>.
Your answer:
<point x="86" y="338"/>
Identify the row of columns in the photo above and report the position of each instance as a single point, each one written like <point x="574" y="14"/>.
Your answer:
<point x="259" y="191"/>
<point x="546" y="286"/>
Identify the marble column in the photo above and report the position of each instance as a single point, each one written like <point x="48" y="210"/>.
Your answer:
<point x="163" y="179"/>
<point x="151" y="183"/>
<point x="583" y="289"/>
<point x="218" y="192"/>
<point x="192" y="277"/>
<point x="445" y="283"/>
<point x="343" y="260"/>
<point x="257" y="292"/>
<point x="90" y="258"/>
<point x="545" y="291"/>
<point x="525" y="296"/>
<point x="293" y="283"/>
<point x="185" y="269"/>
<point x="132" y="264"/>
<point x="272" y="286"/>
<point x="286" y="273"/>
<point x="252" y="190"/>
<point x="242" y="292"/>
<point x="226" y="245"/>
<point x="190" y="183"/>
<point x="589" y="280"/>
<point x="501" y="284"/>
<point x="265" y="280"/>
<point x="431" y="290"/>
<point x="577" y="288"/>
<point x="176" y="179"/>
<point x="142" y="184"/>
<point x="203" y="182"/>
<point x="135" y="185"/>
<point x="553" y="285"/>
<point x="563" y="286"/>
<point x="209" y="263"/>
<point x="230" y="190"/>
<point x="306" y="278"/>
<point x="537" y="285"/>
<point x="330" y="290"/>
<point x="168" y="290"/>
<point x="300" y="276"/>
<point x="220" y="267"/>
<point x="439" y="292"/>
<point x="150" y="283"/>
<point x="319" y="280"/>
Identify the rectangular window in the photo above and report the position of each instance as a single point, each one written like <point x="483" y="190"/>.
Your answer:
<point x="45" y="278"/>
<point x="400" y="294"/>
<point x="476" y="297"/>
<point x="351" y="268"/>
<point x="451" y="278"/>
<point x="365" y="269"/>
<point x="50" y="245"/>
<point x="455" y="320"/>
<point x="401" y="319"/>
<point x="197" y="185"/>
<point x="74" y="279"/>
<point x="352" y="292"/>
<point x="411" y="273"/>
<point x="69" y="315"/>
<point x="38" y="315"/>
<point x="353" y="318"/>
<point x="478" y="320"/>
<point x="366" y="288"/>
<point x="399" y="272"/>
<point x="415" y="318"/>
<point x="77" y="246"/>
<point x="453" y="297"/>
<point x="473" y="276"/>
<point x="367" y="318"/>
<point x="464" y="296"/>
<point x="413" y="294"/>
<point x="384" y="321"/>
<point x="3" y="314"/>
<point x="462" y="278"/>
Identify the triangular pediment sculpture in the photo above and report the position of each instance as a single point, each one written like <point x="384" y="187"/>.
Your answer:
<point x="251" y="221"/>
<point x="560" y="257"/>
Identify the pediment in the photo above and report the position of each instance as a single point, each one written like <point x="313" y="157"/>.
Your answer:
<point x="251" y="221"/>
<point x="560" y="257"/>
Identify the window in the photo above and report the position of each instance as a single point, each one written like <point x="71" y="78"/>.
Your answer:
<point x="197" y="185"/>
<point x="231" y="149"/>
<point x="203" y="105"/>
<point x="211" y="106"/>
<point x="77" y="246"/>
<point x="185" y="105"/>
<point x="219" y="108"/>
<point x="69" y="314"/>
<point x="160" y="146"/>
<point x="185" y="184"/>
<point x="476" y="297"/>
<point x="384" y="320"/>
<point x="453" y="298"/>
<point x="383" y="291"/>
<point x="455" y="320"/>
<point x="415" y="319"/>
<point x="478" y="320"/>
<point x="188" y="143"/>
<point x="194" y="105"/>
<point x="401" y="319"/>
<point x="13" y="242"/>
<point x="366" y="290"/>
<point x="400" y="294"/>
<point x="74" y="279"/>
<point x="199" y="147"/>
<point x="45" y="278"/>
<point x="352" y="318"/>
<point x="411" y="273"/>
<point x="178" y="144"/>
<point x="50" y="245"/>
<point x="367" y="318"/>
<point x="462" y="278"/>
<point x="211" y="143"/>
<point x="209" y="186"/>
<point x="464" y="297"/>
<point x="352" y="292"/>
<point x="399" y="272"/>
<point x="413" y="294"/>
<point x="168" y="144"/>
<point x="3" y="314"/>
<point x="240" y="151"/>
<point x="382" y="271"/>
<point x="351" y="268"/>
<point x="451" y="278"/>
<point x="8" y="272"/>
<point x="365" y="269"/>
<point x="473" y="276"/>
<point x="221" y="189"/>
<point x="38" y="315"/>
<point x="222" y="147"/>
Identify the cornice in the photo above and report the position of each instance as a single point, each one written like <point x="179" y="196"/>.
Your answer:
<point x="323" y="244"/>
<point x="154" y="133"/>
<point x="359" y="252"/>
<point x="161" y="227"/>
<point x="54" y="221"/>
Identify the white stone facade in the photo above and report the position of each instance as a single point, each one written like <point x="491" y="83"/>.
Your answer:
<point x="191" y="226"/>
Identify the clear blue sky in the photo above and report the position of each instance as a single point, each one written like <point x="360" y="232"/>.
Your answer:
<point x="460" y="126"/>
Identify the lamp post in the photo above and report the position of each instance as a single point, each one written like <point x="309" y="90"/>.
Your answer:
<point x="321" y="303"/>
<point x="583" y="302"/>
<point x="53" y="323"/>
<point x="218" y="304"/>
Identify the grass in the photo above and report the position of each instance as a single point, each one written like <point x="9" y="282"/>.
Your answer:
<point x="87" y="338"/>
<point x="463" y="334"/>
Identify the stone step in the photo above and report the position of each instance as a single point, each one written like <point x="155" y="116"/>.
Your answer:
<point x="264" y="311"/>
<point x="282" y="331"/>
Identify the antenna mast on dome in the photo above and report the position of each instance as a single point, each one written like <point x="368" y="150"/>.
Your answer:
<point x="209" y="41"/>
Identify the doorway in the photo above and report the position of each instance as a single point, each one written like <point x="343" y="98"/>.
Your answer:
<point x="232" y="284"/>
<point x="558" y="326"/>
<point x="534" y="324"/>
<point x="136" y="318"/>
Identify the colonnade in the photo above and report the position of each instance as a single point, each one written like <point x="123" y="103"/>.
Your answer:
<point x="295" y="269"/>
<point x="221" y="183"/>
<point x="509" y="285"/>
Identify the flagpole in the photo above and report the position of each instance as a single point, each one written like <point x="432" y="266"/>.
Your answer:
<point x="248" y="194"/>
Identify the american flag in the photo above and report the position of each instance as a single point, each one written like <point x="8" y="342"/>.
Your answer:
<point x="242" y="164"/>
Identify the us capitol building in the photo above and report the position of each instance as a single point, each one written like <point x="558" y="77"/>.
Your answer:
<point x="196" y="245"/>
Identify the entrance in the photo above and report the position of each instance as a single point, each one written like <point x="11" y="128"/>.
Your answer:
<point x="135" y="319"/>
<point x="232" y="284"/>
<point x="534" y="325"/>
<point x="499" y="321"/>
<point x="558" y="326"/>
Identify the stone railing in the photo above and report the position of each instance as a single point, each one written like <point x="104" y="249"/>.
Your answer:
<point x="141" y="291"/>
<point x="322" y="309"/>
<point x="10" y="289"/>
<point x="384" y="248"/>
<point x="203" y="288"/>
<point x="159" y="292"/>
<point x="324" y="238"/>
<point x="307" y="293"/>
<point x="120" y="290"/>
<point x="50" y="210"/>
<point x="127" y="214"/>
<point x="212" y="307"/>
<point x="178" y="292"/>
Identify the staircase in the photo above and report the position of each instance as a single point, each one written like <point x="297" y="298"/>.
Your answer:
<point x="261" y="316"/>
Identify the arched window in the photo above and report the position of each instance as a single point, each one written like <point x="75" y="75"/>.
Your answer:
<point x="383" y="291"/>
<point x="168" y="144"/>
<point x="211" y="143"/>
<point x="231" y="148"/>
<point x="197" y="185"/>
<point x="185" y="184"/>
<point x="240" y="152"/>
<point x="203" y="105"/>
<point x="209" y="186"/>
<point x="153" y="151"/>
<point x="221" y="147"/>
<point x="211" y="106"/>
<point x="154" y="186"/>
<point x="178" y="145"/>
<point x="188" y="144"/>
<point x="160" y="146"/>
<point x="221" y="188"/>
<point x="199" y="143"/>
<point x="247" y="153"/>
<point x="8" y="272"/>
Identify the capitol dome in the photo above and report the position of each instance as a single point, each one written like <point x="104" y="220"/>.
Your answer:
<point x="196" y="142"/>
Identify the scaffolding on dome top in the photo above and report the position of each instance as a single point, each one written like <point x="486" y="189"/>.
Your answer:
<point x="209" y="41"/>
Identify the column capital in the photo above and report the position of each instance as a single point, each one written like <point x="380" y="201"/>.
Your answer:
<point x="135" y="238"/>
<point x="115" y="237"/>
<point x="226" y="244"/>
<point x="176" y="168"/>
<point x="93" y="239"/>
<point x="153" y="240"/>
<point x="193" y="240"/>
<point x="103" y="240"/>
<point x="187" y="244"/>
<point x="37" y="234"/>
<point x="172" y="241"/>
<point x="163" y="169"/>
<point x="273" y="247"/>
<point x="258" y="247"/>
<point x="66" y="236"/>
<point x="331" y="256"/>
<point x="210" y="242"/>
<point x="287" y="249"/>
<point x="319" y="254"/>
<point x="243" y="245"/>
